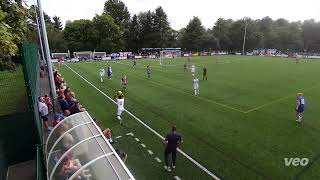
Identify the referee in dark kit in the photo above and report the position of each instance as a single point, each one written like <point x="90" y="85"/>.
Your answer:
<point x="172" y="141"/>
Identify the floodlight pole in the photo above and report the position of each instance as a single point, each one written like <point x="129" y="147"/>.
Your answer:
<point x="244" y="36"/>
<point x="39" y="34"/>
<point x="47" y="51"/>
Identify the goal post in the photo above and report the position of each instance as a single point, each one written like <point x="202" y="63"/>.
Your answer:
<point x="169" y="53"/>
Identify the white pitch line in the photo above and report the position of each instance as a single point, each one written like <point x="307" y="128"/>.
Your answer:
<point x="118" y="137"/>
<point x="158" y="160"/>
<point x="130" y="134"/>
<point x="150" y="152"/>
<point x="177" y="178"/>
<point x="277" y="100"/>
<point x="137" y="139"/>
<point x="149" y="128"/>
<point x="143" y="145"/>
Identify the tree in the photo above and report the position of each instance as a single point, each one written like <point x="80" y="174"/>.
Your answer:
<point x="146" y="33"/>
<point x="7" y="46"/>
<point x="118" y="11"/>
<point x="133" y="36"/>
<point x="57" y="23"/>
<point x="161" y="28"/>
<point x="79" y="35"/>
<point x="221" y="32"/>
<point x="191" y="37"/>
<point x="13" y="29"/>
<point x="311" y="35"/>
<point x="107" y="36"/>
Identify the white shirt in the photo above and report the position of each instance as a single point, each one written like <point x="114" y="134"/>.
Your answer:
<point x="120" y="103"/>
<point x="193" y="68"/>
<point x="196" y="83"/>
<point x="102" y="71"/>
<point x="43" y="108"/>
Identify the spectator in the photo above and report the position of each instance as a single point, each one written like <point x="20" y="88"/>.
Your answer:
<point x="48" y="102"/>
<point x="63" y="103"/>
<point x="66" y="113"/>
<point x="172" y="142"/>
<point x="69" y="166"/>
<point x="75" y="108"/>
<point x="57" y="118"/>
<point x="123" y="155"/>
<point x="108" y="134"/>
<point x="66" y="91"/>
<point x="43" y="110"/>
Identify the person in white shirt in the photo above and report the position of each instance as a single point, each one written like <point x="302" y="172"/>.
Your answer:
<point x="196" y="86"/>
<point x="102" y="72"/>
<point x="193" y="69"/>
<point x="43" y="110"/>
<point x="120" y="103"/>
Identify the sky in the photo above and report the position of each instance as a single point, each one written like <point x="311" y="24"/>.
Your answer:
<point x="181" y="11"/>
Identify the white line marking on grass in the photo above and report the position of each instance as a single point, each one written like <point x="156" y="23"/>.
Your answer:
<point x="171" y="65"/>
<point x="275" y="101"/>
<point x="150" y="152"/>
<point x="130" y="134"/>
<point x="177" y="178"/>
<point x="118" y="137"/>
<point x="158" y="159"/>
<point x="149" y="128"/>
<point x="143" y="145"/>
<point x="137" y="139"/>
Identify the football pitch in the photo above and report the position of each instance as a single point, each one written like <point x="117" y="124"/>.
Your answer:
<point x="241" y="126"/>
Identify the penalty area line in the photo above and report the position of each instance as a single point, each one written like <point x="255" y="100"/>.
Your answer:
<point x="148" y="127"/>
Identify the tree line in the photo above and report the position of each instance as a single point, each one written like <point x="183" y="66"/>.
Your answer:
<point x="116" y="30"/>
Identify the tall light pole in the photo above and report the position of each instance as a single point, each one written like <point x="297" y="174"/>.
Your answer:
<point x="47" y="51"/>
<point x="245" y="35"/>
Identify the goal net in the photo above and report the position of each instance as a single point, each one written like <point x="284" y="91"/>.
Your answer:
<point x="83" y="55"/>
<point x="169" y="53"/>
<point x="60" y="55"/>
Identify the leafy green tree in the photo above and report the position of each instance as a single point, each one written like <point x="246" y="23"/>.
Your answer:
<point x="191" y="37"/>
<point x="221" y="32"/>
<point x="133" y="36"/>
<point x="161" y="28"/>
<point x="118" y="11"/>
<point x="8" y="47"/>
<point x="107" y="35"/>
<point x="79" y="35"/>
<point x="57" y="23"/>
<point x="146" y="34"/>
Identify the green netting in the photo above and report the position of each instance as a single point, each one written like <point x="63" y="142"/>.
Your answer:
<point x="30" y="62"/>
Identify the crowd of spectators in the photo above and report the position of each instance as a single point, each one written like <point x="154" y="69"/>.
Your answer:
<point x="68" y="105"/>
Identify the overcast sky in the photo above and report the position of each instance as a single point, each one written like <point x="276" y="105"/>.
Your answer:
<point x="181" y="11"/>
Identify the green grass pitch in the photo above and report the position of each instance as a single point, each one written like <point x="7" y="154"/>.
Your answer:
<point x="242" y="125"/>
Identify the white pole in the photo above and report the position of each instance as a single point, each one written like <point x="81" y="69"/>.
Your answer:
<point x="244" y="37"/>
<point x="47" y="51"/>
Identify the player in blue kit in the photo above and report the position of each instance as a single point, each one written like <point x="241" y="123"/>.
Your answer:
<point x="300" y="107"/>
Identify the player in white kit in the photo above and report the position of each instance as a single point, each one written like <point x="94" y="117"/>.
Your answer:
<point x="196" y="86"/>
<point x="193" y="69"/>
<point x="120" y="103"/>
<point x="101" y="74"/>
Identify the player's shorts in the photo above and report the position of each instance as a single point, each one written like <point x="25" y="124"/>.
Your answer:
<point x="120" y="111"/>
<point x="101" y="74"/>
<point x="300" y="109"/>
<point x="195" y="87"/>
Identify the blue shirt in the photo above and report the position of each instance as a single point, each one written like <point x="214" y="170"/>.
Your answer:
<point x="173" y="139"/>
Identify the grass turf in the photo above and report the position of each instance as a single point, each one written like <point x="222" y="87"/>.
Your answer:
<point x="240" y="127"/>
<point x="12" y="92"/>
